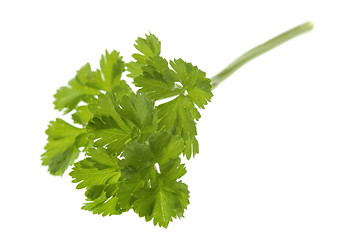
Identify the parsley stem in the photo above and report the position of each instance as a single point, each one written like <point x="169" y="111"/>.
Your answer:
<point x="259" y="50"/>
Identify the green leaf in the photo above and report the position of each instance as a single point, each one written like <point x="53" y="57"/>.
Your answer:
<point x="88" y="83"/>
<point x="157" y="80"/>
<point x="132" y="143"/>
<point x="82" y="115"/>
<point x="103" y="200"/>
<point x="107" y="127"/>
<point x="105" y="105"/>
<point x="120" y="118"/>
<point x="99" y="174"/>
<point x="178" y="116"/>
<point x="67" y="98"/>
<point x="98" y="169"/>
<point x="108" y="104"/>
<point x="148" y="47"/>
<point x="112" y="67"/>
<point x="194" y="81"/>
<point x="136" y="169"/>
<point x="106" y="132"/>
<point x="63" y="145"/>
<point x="139" y="110"/>
<point x="191" y="147"/>
<point x="138" y="162"/>
<point x="162" y="203"/>
<point x="165" y="147"/>
<point x="154" y="193"/>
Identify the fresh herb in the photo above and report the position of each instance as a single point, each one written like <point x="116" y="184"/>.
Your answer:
<point x="133" y="142"/>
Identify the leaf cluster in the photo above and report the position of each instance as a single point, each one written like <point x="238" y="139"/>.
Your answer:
<point x="133" y="140"/>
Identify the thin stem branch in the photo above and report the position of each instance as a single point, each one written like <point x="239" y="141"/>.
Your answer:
<point x="255" y="52"/>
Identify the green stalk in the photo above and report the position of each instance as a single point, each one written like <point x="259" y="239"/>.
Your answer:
<point x="255" y="52"/>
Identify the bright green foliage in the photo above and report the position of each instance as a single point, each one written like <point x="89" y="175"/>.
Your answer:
<point x="179" y="115"/>
<point x="102" y="200"/>
<point x="192" y="89"/>
<point x="162" y="203"/>
<point x="98" y="169"/>
<point x="194" y="81"/>
<point x="82" y="115"/>
<point x="157" y="80"/>
<point x="151" y="172"/>
<point x="62" y="147"/>
<point x="99" y="174"/>
<point x="133" y="141"/>
<point x="88" y="83"/>
<point x="148" y="47"/>
<point x="133" y="144"/>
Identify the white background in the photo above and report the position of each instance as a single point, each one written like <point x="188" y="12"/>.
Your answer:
<point x="279" y="143"/>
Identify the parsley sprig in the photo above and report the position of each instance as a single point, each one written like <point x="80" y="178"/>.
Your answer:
<point x="133" y="142"/>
